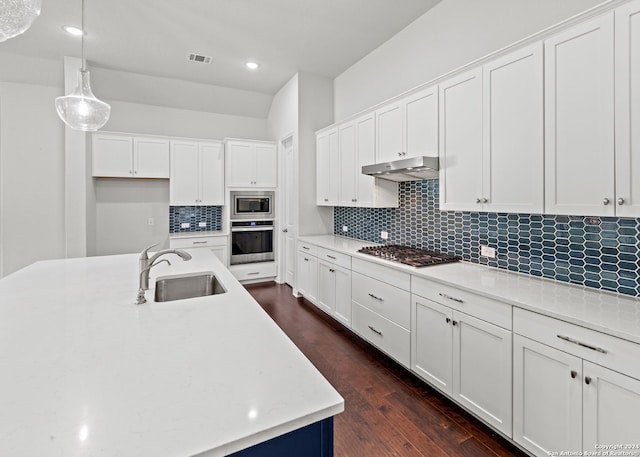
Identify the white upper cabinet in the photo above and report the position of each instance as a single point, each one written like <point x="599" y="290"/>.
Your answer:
<point x="389" y="128"/>
<point x="328" y="173"/>
<point x="409" y="127"/>
<point x="461" y="141"/>
<point x="347" y="164"/>
<point x="197" y="173"/>
<point x="126" y="156"/>
<point x="371" y="192"/>
<point x="251" y="164"/>
<point x="579" y="120"/>
<point x="513" y="150"/>
<point x="627" y="97"/>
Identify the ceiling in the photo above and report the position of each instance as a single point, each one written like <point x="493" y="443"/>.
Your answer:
<point x="154" y="37"/>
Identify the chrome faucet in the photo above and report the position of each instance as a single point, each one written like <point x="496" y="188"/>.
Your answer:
<point x="146" y="263"/>
<point x="140" y="298"/>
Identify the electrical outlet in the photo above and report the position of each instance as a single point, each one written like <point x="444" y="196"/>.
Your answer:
<point x="384" y="235"/>
<point x="202" y="224"/>
<point x="185" y="225"/>
<point x="345" y="228"/>
<point x="486" y="251"/>
<point x="150" y="222"/>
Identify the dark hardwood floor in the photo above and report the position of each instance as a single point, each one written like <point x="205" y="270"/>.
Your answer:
<point x="388" y="411"/>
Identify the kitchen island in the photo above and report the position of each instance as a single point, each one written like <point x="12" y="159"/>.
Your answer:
<point x="86" y="372"/>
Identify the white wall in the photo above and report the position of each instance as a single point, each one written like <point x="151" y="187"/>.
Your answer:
<point x="283" y="113"/>
<point x="31" y="176"/>
<point x="452" y="34"/>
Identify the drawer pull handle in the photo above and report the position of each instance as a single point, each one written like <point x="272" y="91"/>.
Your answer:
<point x="574" y="374"/>
<point x="587" y="379"/>
<point x="375" y="298"/>
<point x="304" y="247"/>
<point x="448" y="297"/>
<point x="377" y="332"/>
<point x="199" y="242"/>
<point x="253" y="273"/>
<point x="580" y="343"/>
<point x="331" y="257"/>
<point x="306" y="260"/>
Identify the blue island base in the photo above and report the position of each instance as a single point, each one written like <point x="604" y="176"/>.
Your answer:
<point x="315" y="440"/>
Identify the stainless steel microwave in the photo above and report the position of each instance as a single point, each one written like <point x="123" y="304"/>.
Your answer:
<point x="250" y="204"/>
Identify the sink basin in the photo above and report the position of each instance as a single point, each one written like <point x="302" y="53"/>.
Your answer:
<point x="190" y="285"/>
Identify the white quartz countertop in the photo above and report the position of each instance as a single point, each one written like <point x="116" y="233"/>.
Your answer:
<point x="610" y="313"/>
<point x="85" y="372"/>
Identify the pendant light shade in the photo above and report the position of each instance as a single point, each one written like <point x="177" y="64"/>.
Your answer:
<point x="16" y="16"/>
<point x="81" y="110"/>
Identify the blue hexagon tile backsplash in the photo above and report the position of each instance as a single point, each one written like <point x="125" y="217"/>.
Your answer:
<point x="596" y="252"/>
<point x="210" y="217"/>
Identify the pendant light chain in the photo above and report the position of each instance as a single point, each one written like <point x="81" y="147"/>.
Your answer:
<point x="84" y="65"/>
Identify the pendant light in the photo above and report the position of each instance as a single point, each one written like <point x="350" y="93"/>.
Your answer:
<point x="81" y="110"/>
<point x="16" y="16"/>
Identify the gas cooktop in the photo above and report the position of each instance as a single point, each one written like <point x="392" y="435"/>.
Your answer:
<point x="409" y="256"/>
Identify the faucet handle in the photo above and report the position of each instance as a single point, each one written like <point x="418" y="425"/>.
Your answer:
<point x="143" y="255"/>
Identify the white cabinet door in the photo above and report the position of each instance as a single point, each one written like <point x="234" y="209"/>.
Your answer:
<point x="342" y="287"/>
<point x="482" y="369"/>
<point x="222" y="253"/>
<point x="611" y="404"/>
<point x="184" y="173"/>
<point x="366" y="154"/>
<point x="432" y="343"/>
<point x="513" y="154"/>
<point x="326" y="294"/>
<point x="547" y="398"/>
<point x="322" y="169"/>
<point x="211" y="174"/>
<point x="627" y="87"/>
<point x="421" y="123"/>
<point x="461" y="142"/>
<point x="579" y="120"/>
<point x="347" y="164"/>
<point x="242" y="164"/>
<point x="389" y="133"/>
<point x="266" y="160"/>
<point x="333" y="190"/>
<point x="151" y="158"/>
<point x="307" y="278"/>
<point x="112" y="155"/>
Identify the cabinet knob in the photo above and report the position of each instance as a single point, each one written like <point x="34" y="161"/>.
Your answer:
<point x="478" y="200"/>
<point x="605" y="201"/>
<point x="326" y="199"/>
<point x="621" y="201"/>
<point x="574" y="374"/>
<point x="448" y="320"/>
<point x="285" y="230"/>
<point x="484" y="200"/>
<point x="454" y="322"/>
<point x="587" y="379"/>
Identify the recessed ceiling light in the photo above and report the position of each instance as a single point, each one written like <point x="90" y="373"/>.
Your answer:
<point x="72" y="30"/>
<point x="252" y="65"/>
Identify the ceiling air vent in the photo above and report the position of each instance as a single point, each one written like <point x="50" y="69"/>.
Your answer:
<point x="199" y="58"/>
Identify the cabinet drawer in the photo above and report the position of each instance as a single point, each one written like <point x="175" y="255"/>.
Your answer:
<point x="307" y="248"/>
<point x="382" y="273"/>
<point x="338" y="258"/>
<point x="382" y="333"/>
<point x="388" y="301"/>
<point x="619" y="355"/>
<point x="254" y="271"/>
<point x="493" y="311"/>
<point x="197" y="242"/>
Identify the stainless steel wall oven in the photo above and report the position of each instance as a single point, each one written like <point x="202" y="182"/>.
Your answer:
<point x="251" y="241"/>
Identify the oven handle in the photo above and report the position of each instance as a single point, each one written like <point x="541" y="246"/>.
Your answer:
<point x="253" y="229"/>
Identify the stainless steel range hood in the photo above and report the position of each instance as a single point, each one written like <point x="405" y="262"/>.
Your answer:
<point x="412" y="169"/>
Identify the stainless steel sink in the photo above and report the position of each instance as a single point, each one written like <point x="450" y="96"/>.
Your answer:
<point x="190" y="285"/>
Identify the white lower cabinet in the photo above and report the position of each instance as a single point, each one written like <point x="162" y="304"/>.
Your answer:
<point x="334" y="285"/>
<point x="381" y="311"/>
<point x="307" y="268"/>
<point x="219" y="245"/>
<point x="465" y="357"/>
<point x="572" y="390"/>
